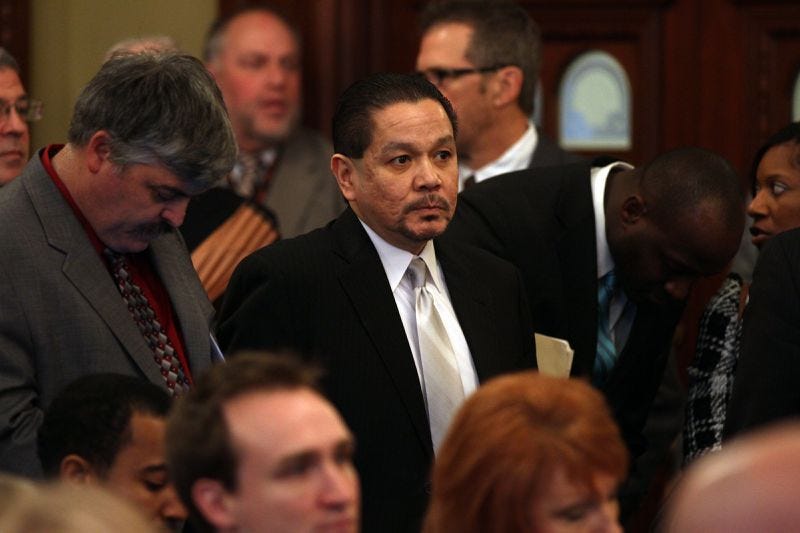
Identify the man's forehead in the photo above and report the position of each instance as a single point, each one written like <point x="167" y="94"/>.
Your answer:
<point x="398" y="117"/>
<point x="248" y="30"/>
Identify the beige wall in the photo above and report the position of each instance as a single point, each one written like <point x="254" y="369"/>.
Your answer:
<point x="69" y="38"/>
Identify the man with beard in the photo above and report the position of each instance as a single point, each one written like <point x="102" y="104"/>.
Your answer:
<point x="17" y="111"/>
<point x="94" y="275"/>
<point x="281" y="185"/>
<point x="405" y="326"/>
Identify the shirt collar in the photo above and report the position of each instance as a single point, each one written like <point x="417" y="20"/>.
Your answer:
<point x="395" y="261"/>
<point x="517" y="157"/>
<point x="598" y="179"/>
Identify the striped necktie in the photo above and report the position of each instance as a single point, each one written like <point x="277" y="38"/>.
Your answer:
<point x="606" y="351"/>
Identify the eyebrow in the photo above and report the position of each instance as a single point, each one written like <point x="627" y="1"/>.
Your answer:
<point x="154" y="469"/>
<point x="347" y="443"/>
<point x="174" y="190"/>
<point x="409" y="147"/>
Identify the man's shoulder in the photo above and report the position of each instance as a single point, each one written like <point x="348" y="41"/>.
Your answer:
<point x="304" y="140"/>
<point x="298" y="252"/>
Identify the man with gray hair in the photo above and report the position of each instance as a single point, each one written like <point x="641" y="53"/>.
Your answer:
<point x="95" y="277"/>
<point x="16" y="110"/>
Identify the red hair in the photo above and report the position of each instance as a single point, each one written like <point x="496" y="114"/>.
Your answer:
<point x="505" y="443"/>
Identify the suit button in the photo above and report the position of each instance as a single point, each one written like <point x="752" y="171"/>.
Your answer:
<point x="427" y="487"/>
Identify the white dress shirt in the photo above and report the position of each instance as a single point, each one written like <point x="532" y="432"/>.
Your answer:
<point x="621" y="311"/>
<point x="517" y="157"/>
<point x="395" y="263"/>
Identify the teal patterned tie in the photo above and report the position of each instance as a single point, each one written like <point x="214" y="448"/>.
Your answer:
<point x="606" y="352"/>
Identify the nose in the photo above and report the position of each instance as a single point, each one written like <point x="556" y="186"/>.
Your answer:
<point x="340" y="488"/>
<point x="175" y="212"/>
<point x="275" y="74"/>
<point x="172" y="509"/>
<point x="757" y="206"/>
<point x="679" y="288"/>
<point x="609" y="518"/>
<point x="428" y="177"/>
<point x="13" y="123"/>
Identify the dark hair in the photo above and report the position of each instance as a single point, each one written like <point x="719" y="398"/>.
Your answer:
<point x="788" y="133"/>
<point x="680" y="180"/>
<point x="216" y="32"/>
<point x="352" y="121"/>
<point x="91" y="418"/>
<point x="8" y="61"/>
<point x="503" y="34"/>
<point x="158" y="108"/>
<point x="505" y="443"/>
<point x="198" y="439"/>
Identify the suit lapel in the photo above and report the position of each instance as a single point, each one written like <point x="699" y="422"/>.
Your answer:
<point x="364" y="281"/>
<point x="469" y="298"/>
<point x="83" y="267"/>
<point x="577" y="253"/>
<point x="192" y="310"/>
<point x="291" y="198"/>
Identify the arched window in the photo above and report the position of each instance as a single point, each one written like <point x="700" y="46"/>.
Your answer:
<point x="595" y="104"/>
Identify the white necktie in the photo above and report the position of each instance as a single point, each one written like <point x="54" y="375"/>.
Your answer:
<point x="441" y="380"/>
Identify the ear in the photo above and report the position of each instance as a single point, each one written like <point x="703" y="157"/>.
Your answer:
<point x="98" y="151"/>
<point x="215" y="503"/>
<point x="634" y="209"/>
<point x="508" y="84"/>
<point x="344" y="169"/>
<point x="76" y="469"/>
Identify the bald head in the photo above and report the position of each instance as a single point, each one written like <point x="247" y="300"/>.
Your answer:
<point x="751" y="485"/>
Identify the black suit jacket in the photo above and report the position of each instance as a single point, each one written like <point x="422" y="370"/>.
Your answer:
<point x="542" y="220"/>
<point x="767" y="383"/>
<point x="325" y="294"/>
<point x="549" y="154"/>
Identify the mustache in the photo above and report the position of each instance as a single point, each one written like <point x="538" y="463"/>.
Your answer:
<point x="427" y="202"/>
<point x="151" y="231"/>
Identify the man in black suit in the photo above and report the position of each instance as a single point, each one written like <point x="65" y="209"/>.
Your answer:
<point x="765" y="388"/>
<point x="353" y="294"/>
<point x="485" y="58"/>
<point x="651" y="231"/>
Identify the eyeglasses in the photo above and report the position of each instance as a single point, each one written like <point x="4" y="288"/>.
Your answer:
<point x="28" y="110"/>
<point x="437" y="75"/>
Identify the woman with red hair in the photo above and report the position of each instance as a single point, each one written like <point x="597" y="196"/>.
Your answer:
<point x="529" y="453"/>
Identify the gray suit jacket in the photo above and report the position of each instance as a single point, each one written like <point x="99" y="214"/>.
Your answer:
<point x="61" y="315"/>
<point x="303" y="193"/>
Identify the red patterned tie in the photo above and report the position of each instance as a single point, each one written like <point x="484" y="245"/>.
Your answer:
<point x="145" y="318"/>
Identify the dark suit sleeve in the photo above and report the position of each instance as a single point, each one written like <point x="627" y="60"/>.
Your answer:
<point x="255" y="311"/>
<point x="20" y="412"/>
<point x="767" y="383"/>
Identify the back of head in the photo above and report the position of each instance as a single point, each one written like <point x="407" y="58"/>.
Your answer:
<point x="679" y="181"/>
<point x="159" y="109"/>
<point x="503" y="34"/>
<point x="63" y="508"/>
<point x="505" y="443"/>
<point x="136" y="45"/>
<point x="352" y="121"/>
<point x="198" y="439"/>
<point x="749" y="485"/>
<point x="91" y="418"/>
